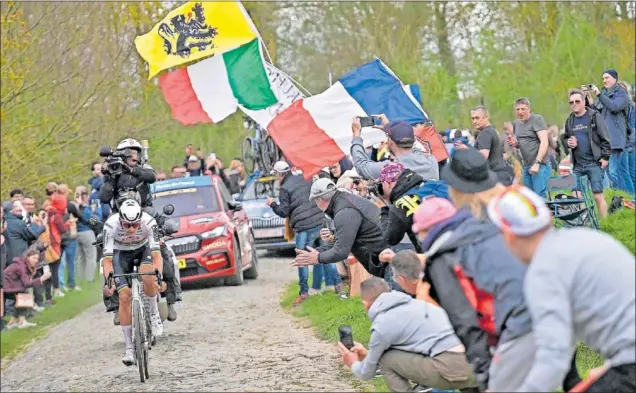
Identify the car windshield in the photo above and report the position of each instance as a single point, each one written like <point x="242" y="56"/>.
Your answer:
<point x="188" y="201"/>
<point x="261" y="189"/>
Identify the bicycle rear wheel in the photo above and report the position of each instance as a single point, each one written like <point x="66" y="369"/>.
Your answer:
<point x="269" y="153"/>
<point x="247" y="153"/>
<point x="139" y="338"/>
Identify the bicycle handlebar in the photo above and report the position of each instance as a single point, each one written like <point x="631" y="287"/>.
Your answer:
<point x="112" y="276"/>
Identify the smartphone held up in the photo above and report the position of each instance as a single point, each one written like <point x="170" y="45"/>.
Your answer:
<point x="368" y="121"/>
<point x="346" y="336"/>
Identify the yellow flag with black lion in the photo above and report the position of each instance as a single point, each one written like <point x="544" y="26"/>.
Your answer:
<point x="194" y="31"/>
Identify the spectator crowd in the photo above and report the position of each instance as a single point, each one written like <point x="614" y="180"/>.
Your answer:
<point x="47" y="249"/>
<point x="471" y="287"/>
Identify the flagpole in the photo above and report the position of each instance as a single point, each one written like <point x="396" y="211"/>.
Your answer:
<point x="260" y="39"/>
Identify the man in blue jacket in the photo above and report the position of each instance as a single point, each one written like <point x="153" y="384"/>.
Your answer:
<point x="613" y="103"/>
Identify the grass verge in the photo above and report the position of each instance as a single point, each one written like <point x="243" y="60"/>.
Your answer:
<point x="14" y="341"/>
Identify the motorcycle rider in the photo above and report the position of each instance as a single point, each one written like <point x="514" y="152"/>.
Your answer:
<point x="137" y="175"/>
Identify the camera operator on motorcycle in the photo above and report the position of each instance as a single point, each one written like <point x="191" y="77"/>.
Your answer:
<point x="126" y="175"/>
<point x="124" y="171"/>
<point x="131" y="237"/>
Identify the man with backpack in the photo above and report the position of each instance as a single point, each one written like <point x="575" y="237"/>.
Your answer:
<point x="587" y="140"/>
<point x="479" y="283"/>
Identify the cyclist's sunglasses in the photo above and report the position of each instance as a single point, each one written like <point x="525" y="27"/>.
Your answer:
<point x="127" y="225"/>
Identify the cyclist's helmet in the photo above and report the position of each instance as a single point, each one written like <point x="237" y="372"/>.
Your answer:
<point x="130" y="143"/>
<point x="130" y="212"/>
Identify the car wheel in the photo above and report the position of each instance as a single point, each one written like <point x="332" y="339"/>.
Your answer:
<point x="237" y="278"/>
<point x="252" y="272"/>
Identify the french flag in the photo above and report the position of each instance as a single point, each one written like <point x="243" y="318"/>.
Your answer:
<point x="315" y="132"/>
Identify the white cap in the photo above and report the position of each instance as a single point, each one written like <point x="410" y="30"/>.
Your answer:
<point x="520" y="211"/>
<point x="352" y="173"/>
<point x="321" y="187"/>
<point x="280" y="167"/>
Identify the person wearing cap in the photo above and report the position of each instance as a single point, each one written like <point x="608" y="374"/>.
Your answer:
<point x="455" y="241"/>
<point x="357" y="229"/>
<point x="305" y="218"/>
<point x="401" y="139"/>
<point x="613" y="103"/>
<point x="579" y="286"/>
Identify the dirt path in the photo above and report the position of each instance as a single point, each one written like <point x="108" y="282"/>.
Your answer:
<point x="225" y="339"/>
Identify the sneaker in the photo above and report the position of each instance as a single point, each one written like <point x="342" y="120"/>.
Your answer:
<point x="301" y="298"/>
<point x="129" y="357"/>
<point x="37" y="308"/>
<point x="77" y="289"/>
<point x="116" y="318"/>
<point x="51" y="302"/>
<point x="172" y="313"/>
<point x="313" y="292"/>
<point x="421" y="389"/>
<point x="26" y="324"/>
<point x="157" y="326"/>
<point x="328" y="288"/>
<point x="59" y="293"/>
<point x="12" y="325"/>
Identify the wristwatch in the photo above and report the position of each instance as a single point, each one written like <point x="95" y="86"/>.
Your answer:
<point x="537" y="162"/>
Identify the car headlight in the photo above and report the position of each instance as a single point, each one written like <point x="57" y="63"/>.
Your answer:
<point x="216" y="232"/>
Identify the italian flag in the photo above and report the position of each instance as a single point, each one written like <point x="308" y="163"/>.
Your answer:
<point x="212" y="89"/>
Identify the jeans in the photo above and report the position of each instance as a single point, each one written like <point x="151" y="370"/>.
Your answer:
<point x="594" y="173"/>
<point x="69" y="250"/>
<point x="619" y="175"/>
<point x="631" y="166"/>
<point x="304" y="239"/>
<point x="330" y="274"/>
<point x="539" y="181"/>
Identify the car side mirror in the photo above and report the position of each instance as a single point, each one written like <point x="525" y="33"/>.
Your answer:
<point x="236" y="197"/>
<point x="234" y="205"/>
<point x="168" y="209"/>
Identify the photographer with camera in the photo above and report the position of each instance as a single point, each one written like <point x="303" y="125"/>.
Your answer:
<point x="401" y="139"/>
<point x="124" y="170"/>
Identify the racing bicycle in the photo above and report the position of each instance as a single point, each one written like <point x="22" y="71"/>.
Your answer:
<point x="141" y="326"/>
<point x="259" y="152"/>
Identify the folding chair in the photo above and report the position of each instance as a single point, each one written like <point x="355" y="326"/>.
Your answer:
<point x="569" y="210"/>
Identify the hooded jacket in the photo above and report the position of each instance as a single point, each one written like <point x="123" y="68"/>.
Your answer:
<point x="19" y="235"/>
<point x="57" y="224"/>
<point x="19" y="276"/>
<point x="478" y="248"/>
<point x="424" y="164"/>
<point x="401" y="322"/>
<point x="597" y="133"/>
<point x="397" y="219"/>
<point x="295" y="204"/>
<point x="613" y="104"/>
<point x="357" y="231"/>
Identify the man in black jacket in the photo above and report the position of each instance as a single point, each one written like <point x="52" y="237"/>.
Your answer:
<point x="587" y="139"/>
<point x="134" y="176"/>
<point x="304" y="216"/>
<point x="357" y="230"/>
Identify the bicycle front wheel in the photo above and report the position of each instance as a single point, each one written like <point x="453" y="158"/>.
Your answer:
<point x="269" y="153"/>
<point x="139" y="330"/>
<point x="247" y="153"/>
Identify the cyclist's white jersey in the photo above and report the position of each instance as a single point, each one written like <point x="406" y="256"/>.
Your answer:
<point x="117" y="238"/>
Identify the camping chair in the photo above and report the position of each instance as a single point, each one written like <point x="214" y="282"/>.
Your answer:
<point x="569" y="210"/>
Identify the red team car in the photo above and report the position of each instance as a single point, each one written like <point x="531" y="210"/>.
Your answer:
<point x="215" y="239"/>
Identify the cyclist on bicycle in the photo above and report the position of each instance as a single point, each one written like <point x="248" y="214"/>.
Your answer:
<point x="131" y="237"/>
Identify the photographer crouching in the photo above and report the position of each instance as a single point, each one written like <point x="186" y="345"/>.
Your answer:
<point x="127" y="172"/>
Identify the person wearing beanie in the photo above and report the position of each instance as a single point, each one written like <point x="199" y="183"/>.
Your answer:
<point x="613" y="103"/>
<point x="579" y="287"/>
<point x="459" y="247"/>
